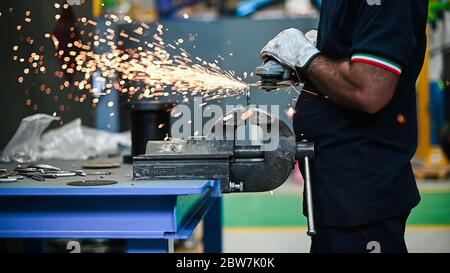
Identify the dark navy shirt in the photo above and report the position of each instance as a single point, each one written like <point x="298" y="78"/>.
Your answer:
<point x="361" y="172"/>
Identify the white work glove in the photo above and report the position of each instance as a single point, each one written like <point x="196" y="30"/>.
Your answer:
<point x="292" y="48"/>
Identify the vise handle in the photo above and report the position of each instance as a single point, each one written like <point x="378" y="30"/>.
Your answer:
<point x="305" y="151"/>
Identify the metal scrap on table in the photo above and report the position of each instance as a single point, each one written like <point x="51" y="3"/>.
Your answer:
<point x="40" y="172"/>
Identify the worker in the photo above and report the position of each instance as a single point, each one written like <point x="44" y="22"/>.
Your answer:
<point x="363" y="119"/>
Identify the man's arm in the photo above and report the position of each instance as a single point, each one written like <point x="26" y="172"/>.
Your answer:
<point x="355" y="85"/>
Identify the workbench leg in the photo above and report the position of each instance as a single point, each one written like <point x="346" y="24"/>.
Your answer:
<point x="212" y="234"/>
<point x="149" y="246"/>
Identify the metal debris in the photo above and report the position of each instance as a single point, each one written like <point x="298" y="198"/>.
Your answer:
<point x="44" y="167"/>
<point x="8" y="180"/>
<point x="101" y="165"/>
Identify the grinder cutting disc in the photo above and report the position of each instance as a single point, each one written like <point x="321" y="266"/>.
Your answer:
<point x="89" y="183"/>
<point x="270" y="86"/>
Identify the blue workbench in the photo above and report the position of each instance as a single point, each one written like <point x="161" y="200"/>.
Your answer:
<point x="149" y="215"/>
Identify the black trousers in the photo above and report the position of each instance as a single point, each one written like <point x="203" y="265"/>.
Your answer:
<point x="386" y="236"/>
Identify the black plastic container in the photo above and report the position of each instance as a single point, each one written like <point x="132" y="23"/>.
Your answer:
<point x="150" y="120"/>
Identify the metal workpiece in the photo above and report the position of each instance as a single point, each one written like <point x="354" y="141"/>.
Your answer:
<point x="79" y="172"/>
<point x="28" y="170"/>
<point x="44" y="167"/>
<point x="37" y="178"/>
<point x="18" y="177"/>
<point x="198" y="147"/>
<point x="96" y="173"/>
<point x="8" y="180"/>
<point x="51" y="174"/>
<point x="39" y="172"/>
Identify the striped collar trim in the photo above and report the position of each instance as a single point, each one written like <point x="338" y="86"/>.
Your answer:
<point x="377" y="61"/>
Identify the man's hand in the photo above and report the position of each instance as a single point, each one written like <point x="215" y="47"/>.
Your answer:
<point x="291" y="48"/>
<point x="355" y="85"/>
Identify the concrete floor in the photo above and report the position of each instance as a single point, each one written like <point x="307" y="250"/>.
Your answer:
<point x="293" y="239"/>
<point x="298" y="242"/>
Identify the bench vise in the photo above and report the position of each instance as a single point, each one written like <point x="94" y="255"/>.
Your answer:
<point x="241" y="167"/>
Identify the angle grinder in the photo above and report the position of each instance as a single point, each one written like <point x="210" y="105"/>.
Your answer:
<point x="274" y="75"/>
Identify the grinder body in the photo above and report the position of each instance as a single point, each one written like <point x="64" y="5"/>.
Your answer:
<point x="272" y="74"/>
